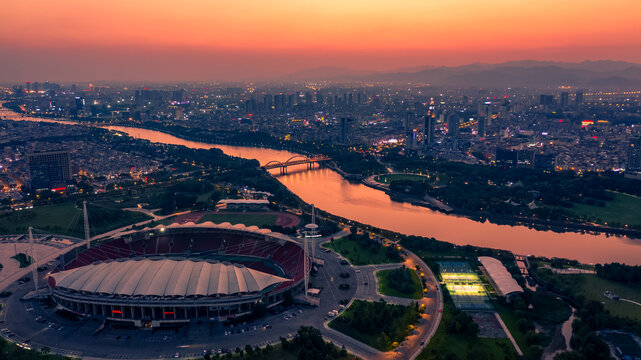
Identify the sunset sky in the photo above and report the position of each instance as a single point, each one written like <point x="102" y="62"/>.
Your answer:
<point x="224" y="40"/>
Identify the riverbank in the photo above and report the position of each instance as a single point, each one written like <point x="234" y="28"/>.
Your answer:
<point x="501" y="219"/>
<point x="331" y="192"/>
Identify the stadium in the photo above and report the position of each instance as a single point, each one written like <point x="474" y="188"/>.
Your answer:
<point x="176" y="273"/>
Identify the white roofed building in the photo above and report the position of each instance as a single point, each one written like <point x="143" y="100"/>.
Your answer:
<point x="500" y="278"/>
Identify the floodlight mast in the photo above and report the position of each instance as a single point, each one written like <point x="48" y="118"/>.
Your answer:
<point x="86" y="223"/>
<point x="32" y="255"/>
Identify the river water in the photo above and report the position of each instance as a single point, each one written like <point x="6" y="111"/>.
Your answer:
<point x="330" y="192"/>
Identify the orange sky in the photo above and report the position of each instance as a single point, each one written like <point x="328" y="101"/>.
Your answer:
<point x="288" y="35"/>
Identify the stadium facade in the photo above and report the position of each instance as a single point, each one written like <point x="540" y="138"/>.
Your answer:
<point x="171" y="274"/>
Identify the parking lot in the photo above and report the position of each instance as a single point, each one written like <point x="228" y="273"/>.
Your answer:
<point x="36" y="324"/>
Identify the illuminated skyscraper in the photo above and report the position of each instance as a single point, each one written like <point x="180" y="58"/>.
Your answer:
<point x="428" y="127"/>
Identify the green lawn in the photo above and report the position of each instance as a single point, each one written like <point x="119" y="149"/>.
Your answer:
<point x="386" y="179"/>
<point x="385" y="288"/>
<point x="377" y="324"/>
<point x="446" y="345"/>
<point x="623" y="209"/>
<point x="510" y="320"/>
<point x="359" y="255"/>
<point x="24" y="259"/>
<point x="66" y="219"/>
<point x="249" y="219"/>
<point x="592" y="287"/>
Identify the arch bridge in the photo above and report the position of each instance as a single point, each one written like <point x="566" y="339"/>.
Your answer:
<point x="296" y="160"/>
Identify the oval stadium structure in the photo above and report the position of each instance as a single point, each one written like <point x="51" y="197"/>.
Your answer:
<point x="175" y="273"/>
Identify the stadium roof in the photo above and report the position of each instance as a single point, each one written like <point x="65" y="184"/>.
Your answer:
<point x="166" y="277"/>
<point x="500" y="276"/>
<point x="211" y="225"/>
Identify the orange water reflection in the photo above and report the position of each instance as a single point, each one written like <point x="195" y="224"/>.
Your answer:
<point x="330" y="192"/>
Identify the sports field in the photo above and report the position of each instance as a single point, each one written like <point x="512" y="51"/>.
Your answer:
<point x="464" y="286"/>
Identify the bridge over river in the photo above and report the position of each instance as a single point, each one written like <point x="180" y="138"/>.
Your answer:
<point x="296" y="160"/>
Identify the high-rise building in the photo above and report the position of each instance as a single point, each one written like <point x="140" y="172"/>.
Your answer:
<point x="546" y="100"/>
<point x="578" y="99"/>
<point x="49" y="169"/>
<point x="545" y="161"/>
<point x="564" y="99"/>
<point x="481" y="126"/>
<point x="178" y="95"/>
<point x="409" y="131"/>
<point x="634" y="154"/>
<point x="346" y="124"/>
<point x="80" y="103"/>
<point x="428" y="132"/>
<point x="453" y="123"/>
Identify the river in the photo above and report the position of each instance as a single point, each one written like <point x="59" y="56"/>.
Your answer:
<point x="330" y="192"/>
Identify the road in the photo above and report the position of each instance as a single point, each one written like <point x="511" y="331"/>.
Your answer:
<point x="367" y="289"/>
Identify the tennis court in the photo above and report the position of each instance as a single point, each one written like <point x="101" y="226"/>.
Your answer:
<point x="464" y="286"/>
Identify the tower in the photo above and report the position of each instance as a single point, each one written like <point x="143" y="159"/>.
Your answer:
<point x="311" y="233"/>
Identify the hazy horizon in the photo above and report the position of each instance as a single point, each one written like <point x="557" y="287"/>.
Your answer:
<point x="198" y="40"/>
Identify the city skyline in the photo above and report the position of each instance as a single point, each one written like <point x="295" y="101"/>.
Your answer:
<point x="196" y="40"/>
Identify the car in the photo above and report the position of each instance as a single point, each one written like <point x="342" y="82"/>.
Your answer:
<point x="5" y="294"/>
<point x="358" y="271"/>
<point x="177" y="355"/>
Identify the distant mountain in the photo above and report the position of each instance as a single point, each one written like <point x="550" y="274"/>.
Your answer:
<point x="526" y="73"/>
